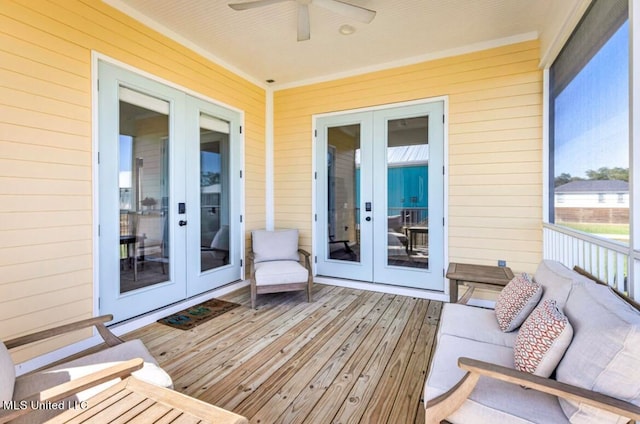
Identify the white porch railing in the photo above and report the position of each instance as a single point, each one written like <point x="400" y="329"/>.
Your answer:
<point x="605" y="259"/>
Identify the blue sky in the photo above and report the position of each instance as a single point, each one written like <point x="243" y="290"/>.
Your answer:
<point x="592" y="112"/>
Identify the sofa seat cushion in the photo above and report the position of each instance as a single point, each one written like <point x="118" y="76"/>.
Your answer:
<point x="36" y="382"/>
<point x="492" y="401"/>
<point x="280" y="272"/>
<point x="604" y="355"/>
<point x="474" y="323"/>
<point x="516" y="301"/>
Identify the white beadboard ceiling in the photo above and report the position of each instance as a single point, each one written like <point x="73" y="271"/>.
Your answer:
<point x="261" y="44"/>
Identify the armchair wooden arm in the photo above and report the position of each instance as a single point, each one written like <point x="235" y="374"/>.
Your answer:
<point x="64" y="390"/>
<point x="307" y="259"/>
<point x="109" y="338"/>
<point x="444" y="405"/>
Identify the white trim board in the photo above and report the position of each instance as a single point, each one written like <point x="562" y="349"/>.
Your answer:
<point x="156" y="26"/>
<point x="471" y="48"/>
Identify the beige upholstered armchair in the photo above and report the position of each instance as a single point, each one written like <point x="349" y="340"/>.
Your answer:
<point x="276" y="264"/>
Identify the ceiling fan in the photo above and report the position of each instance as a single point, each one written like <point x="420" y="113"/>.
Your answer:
<point x="354" y="12"/>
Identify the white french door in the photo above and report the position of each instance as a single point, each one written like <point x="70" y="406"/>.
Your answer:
<point x="380" y="195"/>
<point x="213" y="189"/>
<point x="168" y="194"/>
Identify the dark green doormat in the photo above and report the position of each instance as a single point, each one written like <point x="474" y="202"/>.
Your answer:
<point x="196" y="315"/>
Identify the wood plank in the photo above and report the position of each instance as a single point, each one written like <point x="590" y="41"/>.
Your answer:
<point x="171" y="417"/>
<point x="326" y="407"/>
<point x="349" y="356"/>
<point x="388" y="392"/>
<point x="358" y="400"/>
<point x="99" y="402"/>
<point x="243" y="342"/>
<point x="151" y="415"/>
<point x="299" y="394"/>
<point x="281" y="387"/>
<point x="411" y="391"/>
<point x="278" y="354"/>
<point x="133" y="410"/>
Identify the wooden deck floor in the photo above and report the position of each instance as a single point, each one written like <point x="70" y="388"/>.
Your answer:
<point x="350" y="356"/>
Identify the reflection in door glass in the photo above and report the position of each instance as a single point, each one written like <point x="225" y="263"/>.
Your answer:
<point x="407" y="194"/>
<point x="144" y="189"/>
<point x="214" y="192"/>
<point x="343" y="212"/>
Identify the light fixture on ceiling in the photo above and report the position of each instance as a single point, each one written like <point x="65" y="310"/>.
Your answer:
<point x="357" y="13"/>
<point x="346" y="29"/>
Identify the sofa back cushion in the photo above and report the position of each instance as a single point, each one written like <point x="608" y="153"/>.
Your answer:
<point x="278" y="245"/>
<point x="556" y="280"/>
<point x="604" y="355"/>
<point x="516" y="301"/>
<point x="7" y="374"/>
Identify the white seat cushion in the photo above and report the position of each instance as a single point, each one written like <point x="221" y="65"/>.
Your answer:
<point x="7" y="374"/>
<point x="474" y="323"/>
<point x="280" y="272"/>
<point x="492" y="401"/>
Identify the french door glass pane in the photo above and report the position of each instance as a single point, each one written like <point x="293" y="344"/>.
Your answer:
<point x="407" y="194"/>
<point x="144" y="190"/>
<point x="343" y="174"/>
<point x="214" y="192"/>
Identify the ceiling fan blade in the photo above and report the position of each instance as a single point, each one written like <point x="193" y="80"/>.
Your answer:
<point x="253" y="4"/>
<point x="304" y="26"/>
<point x="354" y="12"/>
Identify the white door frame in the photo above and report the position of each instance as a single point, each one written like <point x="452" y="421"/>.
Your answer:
<point x="317" y="248"/>
<point x="96" y="57"/>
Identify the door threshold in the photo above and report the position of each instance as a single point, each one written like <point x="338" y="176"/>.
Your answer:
<point x="383" y="288"/>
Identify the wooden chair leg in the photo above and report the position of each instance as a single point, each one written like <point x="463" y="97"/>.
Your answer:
<point x="253" y="295"/>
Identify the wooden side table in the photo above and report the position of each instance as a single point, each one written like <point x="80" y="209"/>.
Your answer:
<point x="133" y="400"/>
<point x="484" y="274"/>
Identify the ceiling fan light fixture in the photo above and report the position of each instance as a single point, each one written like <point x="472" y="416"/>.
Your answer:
<point x="351" y="11"/>
<point x="346" y="29"/>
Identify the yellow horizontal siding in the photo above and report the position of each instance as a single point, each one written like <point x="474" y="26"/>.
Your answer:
<point x="33" y="287"/>
<point x="62" y="312"/>
<point x="500" y="146"/>
<point x="495" y="145"/>
<point x="46" y="200"/>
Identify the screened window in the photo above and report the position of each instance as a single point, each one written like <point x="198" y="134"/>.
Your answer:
<point x="589" y="124"/>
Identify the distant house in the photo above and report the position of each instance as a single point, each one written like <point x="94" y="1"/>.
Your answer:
<point x="605" y="201"/>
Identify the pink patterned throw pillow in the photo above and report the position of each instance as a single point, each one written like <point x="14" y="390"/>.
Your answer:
<point x="516" y="301"/>
<point x="542" y="340"/>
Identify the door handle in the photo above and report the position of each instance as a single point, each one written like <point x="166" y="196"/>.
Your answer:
<point x="182" y="223"/>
